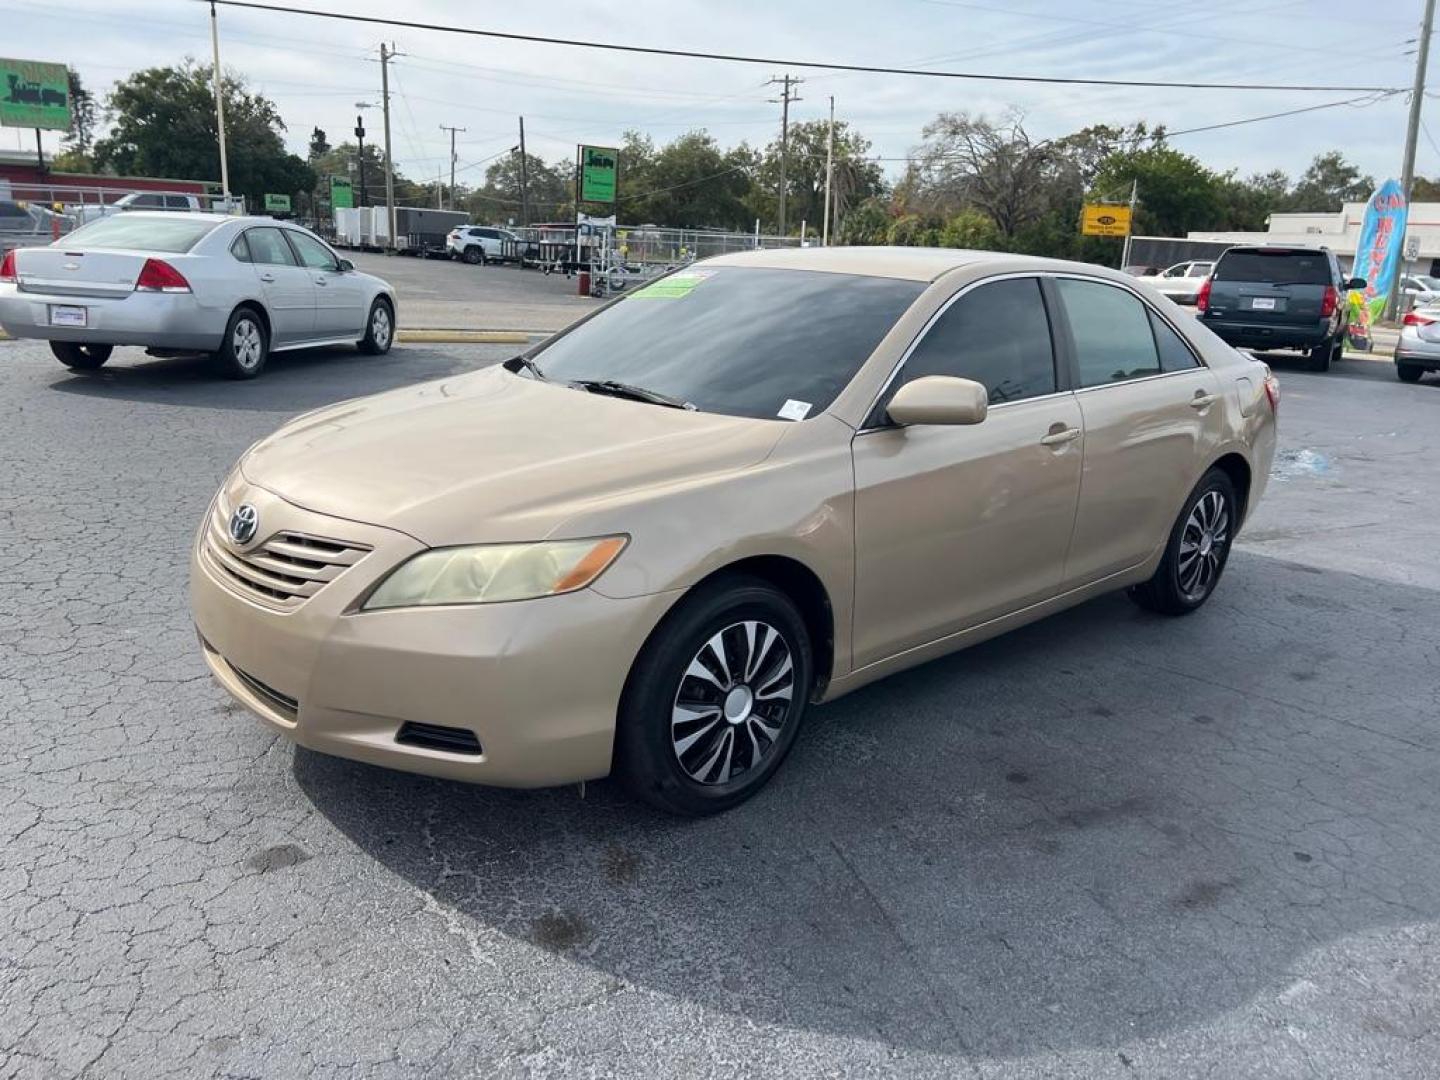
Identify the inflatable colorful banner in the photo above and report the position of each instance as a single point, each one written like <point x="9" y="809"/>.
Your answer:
<point x="1377" y="255"/>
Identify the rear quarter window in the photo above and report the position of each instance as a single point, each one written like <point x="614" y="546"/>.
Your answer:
<point x="1277" y="268"/>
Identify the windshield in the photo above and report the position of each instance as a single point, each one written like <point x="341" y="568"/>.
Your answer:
<point x="747" y="341"/>
<point x="169" y="234"/>
<point x="1428" y="283"/>
<point x="1275" y="267"/>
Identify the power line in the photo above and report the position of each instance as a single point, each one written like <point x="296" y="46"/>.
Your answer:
<point x="771" y="61"/>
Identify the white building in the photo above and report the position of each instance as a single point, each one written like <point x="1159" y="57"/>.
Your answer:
<point x="1340" y="232"/>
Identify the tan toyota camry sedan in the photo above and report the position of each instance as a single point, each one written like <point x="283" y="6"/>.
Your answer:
<point x="647" y="545"/>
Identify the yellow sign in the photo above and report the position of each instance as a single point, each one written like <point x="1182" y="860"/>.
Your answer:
<point x="1105" y="221"/>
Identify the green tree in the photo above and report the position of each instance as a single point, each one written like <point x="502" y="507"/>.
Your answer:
<point x="162" y="123"/>
<point x="856" y="177"/>
<point x="1176" y="192"/>
<point x="692" y="184"/>
<point x="80" y="139"/>
<point x="550" y="187"/>
<point x="1329" y="181"/>
<point x="319" y="144"/>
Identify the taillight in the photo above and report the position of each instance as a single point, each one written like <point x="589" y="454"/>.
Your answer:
<point x="1328" y="302"/>
<point x="159" y="276"/>
<point x="7" y="267"/>
<point x="1202" y="298"/>
<point x="1272" y="391"/>
<point x="1412" y="318"/>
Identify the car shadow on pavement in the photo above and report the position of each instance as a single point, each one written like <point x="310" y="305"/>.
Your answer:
<point x="1104" y="827"/>
<point x="298" y="380"/>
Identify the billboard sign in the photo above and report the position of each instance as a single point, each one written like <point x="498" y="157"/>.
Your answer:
<point x="34" y="95"/>
<point x="277" y="202"/>
<point x="1378" y="252"/>
<point x="342" y="193"/>
<point x="1105" y="221"/>
<point x="599" y="166"/>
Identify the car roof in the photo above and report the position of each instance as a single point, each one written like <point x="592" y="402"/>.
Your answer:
<point x="911" y="263"/>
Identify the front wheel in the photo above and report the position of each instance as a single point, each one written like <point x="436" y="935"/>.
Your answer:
<point x="245" y="347"/>
<point x="379" y="329"/>
<point x="1409" y="372"/>
<point x="1197" y="551"/>
<point x="473" y="255"/>
<point x="715" y="698"/>
<point x="78" y="356"/>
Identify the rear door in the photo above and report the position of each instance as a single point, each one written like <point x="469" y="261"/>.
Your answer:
<point x="1271" y="286"/>
<point x="1153" y="417"/>
<point x="288" y="287"/>
<point x="339" y="298"/>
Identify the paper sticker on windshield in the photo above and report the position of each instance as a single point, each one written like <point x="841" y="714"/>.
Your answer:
<point x="674" y="287"/>
<point x="794" y="410"/>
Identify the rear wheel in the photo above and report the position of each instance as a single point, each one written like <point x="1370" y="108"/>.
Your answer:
<point x="715" y="698"/>
<point x="1320" y="356"/>
<point x="1197" y="551"/>
<point x="1409" y="372"/>
<point x="379" y="329"/>
<point x="245" y="347"/>
<point x="79" y="356"/>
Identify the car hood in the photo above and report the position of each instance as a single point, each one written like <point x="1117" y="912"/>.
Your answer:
<point x="493" y="456"/>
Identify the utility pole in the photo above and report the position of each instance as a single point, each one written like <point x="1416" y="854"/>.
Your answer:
<point x="524" y="178"/>
<point x="1412" y="132"/>
<point x="1130" y="229"/>
<point x="360" y="137"/>
<point x="829" y="175"/>
<point x="452" y="131"/>
<point x="385" y="58"/>
<point x="220" y="107"/>
<point x="786" y="97"/>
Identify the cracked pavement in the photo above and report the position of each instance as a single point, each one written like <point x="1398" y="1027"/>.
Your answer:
<point x="1108" y="845"/>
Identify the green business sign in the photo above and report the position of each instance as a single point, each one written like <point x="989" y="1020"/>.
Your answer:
<point x="342" y="193"/>
<point x="598" y="168"/>
<point x="34" y="95"/>
<point x="277" y="202"/>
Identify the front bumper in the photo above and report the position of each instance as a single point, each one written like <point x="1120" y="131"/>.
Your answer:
<point x="1250" y="335"/>
<point x="155" y="320"/>
<point x="538" y="682"/>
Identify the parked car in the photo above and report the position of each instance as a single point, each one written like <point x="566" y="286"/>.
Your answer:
<point x="239" y="288"/>
<point x="29" y="223"/>
<point x="1279" y="298"/>
<point x="1420" y="289"/>
<point x="478" y="243"/>
<point x="647" y="545"/>
<point x="1182" y="281"/>
<point x="155" y="200"/>
<point x="1418" y="349"/>
<point x="1142" y="271"/>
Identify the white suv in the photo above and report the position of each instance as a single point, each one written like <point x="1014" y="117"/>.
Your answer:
<point x="478" y="243"/>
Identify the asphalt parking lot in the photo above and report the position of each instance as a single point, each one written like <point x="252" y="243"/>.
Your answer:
<point x="1107" y="845"/>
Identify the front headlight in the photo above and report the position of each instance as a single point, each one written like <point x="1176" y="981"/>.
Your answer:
<point x="493" y="573"/>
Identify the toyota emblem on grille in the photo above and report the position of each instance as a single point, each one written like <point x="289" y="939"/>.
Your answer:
<point x="243" y="523"/>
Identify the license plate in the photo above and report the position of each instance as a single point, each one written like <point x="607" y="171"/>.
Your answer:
<point x="1263" y="303"/>
<point x="64" y="315"/>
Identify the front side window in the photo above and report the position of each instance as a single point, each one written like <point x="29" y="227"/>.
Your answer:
<point x="746" y="341"/>
<point x="268" y="247"/>
<point x="997" y="334"/>
<point x="313" y="254"/>
<point x="1111" y="330"/>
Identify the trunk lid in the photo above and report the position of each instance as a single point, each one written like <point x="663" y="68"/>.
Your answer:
<point x="98" y="273"/>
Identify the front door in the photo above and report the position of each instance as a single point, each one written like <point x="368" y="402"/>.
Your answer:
<point x="955" y="526"/>
<point x="339" y="297"/>
<point x="1153" y="418"/>
<point x="287" y="286"/>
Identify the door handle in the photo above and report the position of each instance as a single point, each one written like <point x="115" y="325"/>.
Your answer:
<point x="320" y="281"/>
<point x="1202" y="400"/>
<point x="1060" y="438"/>
<point x="267" y="277"/>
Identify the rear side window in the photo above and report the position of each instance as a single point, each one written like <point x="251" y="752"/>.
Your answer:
<point x="240" y="250"/>
<point x="1111" y="328"/>
<point x="268" y="246"/>
<point x="1175" y="355"/>
<point x="148" y="201"/>
<point x="177" y="202"/>
<point x="157" y="233"/>
<point x="996" y="334"/>
<point x="1275" y="267"/>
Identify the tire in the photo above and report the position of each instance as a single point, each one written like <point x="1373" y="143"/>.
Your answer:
<point x="1320" y="356"/>
<point x="734" y="730"/>
<point x="1409" y="372"/>
<point x="78" y="356"/>
<point x="1166" y="592"/>
<point x="1337" y="350"/>
<point x="379" y="329"/>
<point x="473" y="255"/>
<point x="245" y="347"/>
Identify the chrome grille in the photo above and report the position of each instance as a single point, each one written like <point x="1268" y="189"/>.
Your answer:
<point x="285" y="570"/>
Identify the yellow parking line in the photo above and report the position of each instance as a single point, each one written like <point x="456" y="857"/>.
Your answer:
<point x="483" y="337"/>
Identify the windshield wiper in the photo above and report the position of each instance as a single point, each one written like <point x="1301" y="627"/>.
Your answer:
<point x="528" y="364"/>
<point x="635" y="393"/>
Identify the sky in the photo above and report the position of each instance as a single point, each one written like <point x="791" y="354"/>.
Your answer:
<point x="316" y="70"/>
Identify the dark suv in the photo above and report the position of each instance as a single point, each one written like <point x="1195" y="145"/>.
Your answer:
<point x="1279" y="298"/>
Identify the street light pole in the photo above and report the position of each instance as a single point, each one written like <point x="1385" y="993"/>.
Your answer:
<point x="385" y="58"/>
<point x="829" y="174"/>
<point x="1412" y="132"/>
<point x="219" y="106"/>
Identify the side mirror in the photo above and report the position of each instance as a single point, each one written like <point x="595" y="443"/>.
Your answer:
<point x="1355" y="283"/>
<point x="939" y="399"/>
<point x="346" y="266"/>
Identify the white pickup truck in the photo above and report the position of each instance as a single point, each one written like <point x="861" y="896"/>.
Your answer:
<point x="154" y="200"/>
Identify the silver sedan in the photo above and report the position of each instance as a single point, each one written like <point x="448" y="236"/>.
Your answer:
<point x="236" y="287"/>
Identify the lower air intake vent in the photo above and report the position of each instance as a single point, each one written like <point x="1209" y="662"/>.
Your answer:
<point x="451" y="740"/>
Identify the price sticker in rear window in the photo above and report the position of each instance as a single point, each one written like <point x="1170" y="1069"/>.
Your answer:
<point x="675" y="287"/>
